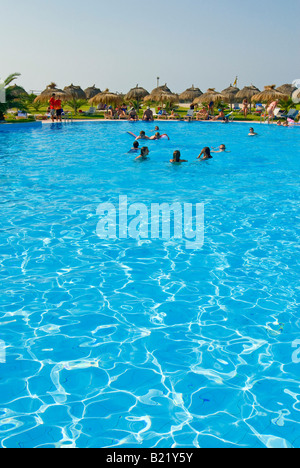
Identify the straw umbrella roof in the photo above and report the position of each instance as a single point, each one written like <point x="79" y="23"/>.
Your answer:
<point x="246" y="93"/>
<point x="269" y="94"/>
<point x="91" y="92"/>
<point x="162" y="94"/>
<point x="17" y="91"/>
<point x="47" y="93"/>
<point x="136" y="93"/>
<point x="75" y="92"/>
<point x="286" y="89"/>
<point x="210" y="95"/>
<point x="161" y="88"/>
<point x="165" y="96"/>
<point x="190" y="94"/>
<point x="156" y="93"/>
<point x="230" y="93"/>
<point x="106" y="97"/>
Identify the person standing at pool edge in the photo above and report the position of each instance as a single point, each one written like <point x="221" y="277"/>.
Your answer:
<point x="52" y="107"/>
<point x="58" y="109"/>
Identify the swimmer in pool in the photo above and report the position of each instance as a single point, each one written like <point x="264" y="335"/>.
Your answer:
<point x="158" y="136"/>
<point x="205" y="153"/>
<point x="144" y="154"/>
<point x="176" y="158"/>
<point x="135" y="147"/>
<point x="222" y="149"/>
<point x="251" y="132"/>
<point x="156" y="129"/>
<point x="142" y="136"/>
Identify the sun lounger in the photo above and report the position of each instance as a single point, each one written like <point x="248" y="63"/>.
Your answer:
<point x="292" y="114"/>
<point x="22" y="115"/>
<point x="91" y="111"/>
<point x="189" y="115"/>
<point x="236" y="107"/>
<point x="259" y="108"/>
<point x="229" y="117"/>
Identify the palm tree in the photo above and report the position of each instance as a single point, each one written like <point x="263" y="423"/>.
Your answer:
<point x="75" y="104"/>
<point x="11" y="102"/>
<point x="29" y="101"/>
<point x="286" y="105"/>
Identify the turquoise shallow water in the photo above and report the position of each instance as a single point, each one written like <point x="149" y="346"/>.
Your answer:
<point x="142" y="342"/>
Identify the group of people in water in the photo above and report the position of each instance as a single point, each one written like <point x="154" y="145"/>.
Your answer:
<point x="204" y="154"/>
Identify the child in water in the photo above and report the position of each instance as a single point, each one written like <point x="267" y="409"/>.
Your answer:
<point x="144" y="154"/>
<point x="142" y="136"/>
<point x="251" y="132"/>
<point x="134" y="148"/>
<point x="222" y="148"/>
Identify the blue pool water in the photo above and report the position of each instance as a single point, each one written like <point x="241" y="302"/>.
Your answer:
<point x="143" y="342"/>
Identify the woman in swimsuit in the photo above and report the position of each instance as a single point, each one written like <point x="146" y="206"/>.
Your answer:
<point x="271" y="110"/>
<point x="245" y="107"/>
<point x="176" y="158"/>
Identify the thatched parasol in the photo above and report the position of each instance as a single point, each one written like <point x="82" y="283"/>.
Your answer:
<point x="246" y="93"/>
<point x="47" y="93"/>
<point x="75" y="92"/>
<point x="162" y="96"/>
<point x="136" y="93"/>
<point x="91" y="92"/>
<point x="230" y="93"/>
<point x="106" y="97"/>
<point x="17" y="92"/>
<point x="210" y="95"/>
<point x="269" y="94"/>
<point x="286" y="89"/>
<point x="190" y="94"/>
<point x="156" y="93"/>
<point x="165" y="96"/>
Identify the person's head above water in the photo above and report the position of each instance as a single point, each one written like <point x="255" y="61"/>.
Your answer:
<point x="135" y="144"/>
<point x="176" y="156"/>
<point x="144" y="151"/>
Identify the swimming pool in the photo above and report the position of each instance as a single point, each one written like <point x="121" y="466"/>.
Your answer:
<point x="125" y="342"/>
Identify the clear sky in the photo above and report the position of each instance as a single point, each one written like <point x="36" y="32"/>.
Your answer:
<point x="117" y="44"/>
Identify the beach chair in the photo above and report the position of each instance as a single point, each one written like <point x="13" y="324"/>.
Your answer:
<point x="22" y="115"/>
<point x="154" y="112"/>
<point x="91" y="111"/>
<point x="236" y="107"/>
<point x="162" y="113"/>
<point x="278" y="113"/>
<point x="189" y="115"/>
<point x="229" y="117"/>
<point x="292" y="114"/>
<point x="259" y="108"/>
